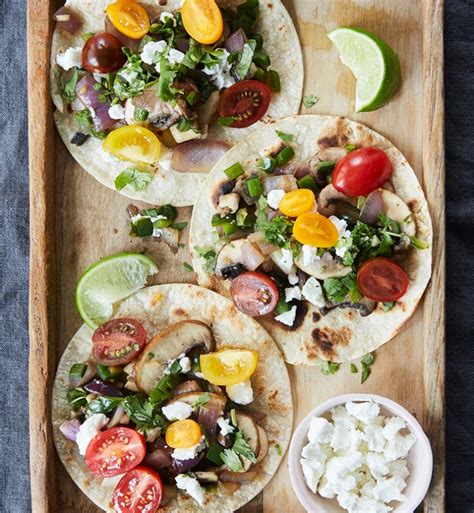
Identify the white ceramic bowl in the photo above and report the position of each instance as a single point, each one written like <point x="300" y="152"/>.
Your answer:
<point x="420" y="458"/>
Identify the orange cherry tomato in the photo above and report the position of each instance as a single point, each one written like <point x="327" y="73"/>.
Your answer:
<point x="202" y="20"/>
<point x="315" y="230"/>
<point x="183" y="434"/>
<point x="295" y="203"/>
<point x="129" y="18"/>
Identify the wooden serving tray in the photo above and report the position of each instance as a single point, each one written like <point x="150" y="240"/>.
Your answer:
<point x="75" y="221"/>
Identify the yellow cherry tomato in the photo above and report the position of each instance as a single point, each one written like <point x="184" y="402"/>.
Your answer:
<point x="229" y="366"/>
<point x="133" y="143"/>
<point x="202" y="20"/>
<point x="315" y="230"/>
<point x="297" y="202"/>
<point x="183" y="434"/>
<point x="129" y="18"/>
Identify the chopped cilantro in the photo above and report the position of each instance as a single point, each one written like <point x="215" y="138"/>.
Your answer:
<point x="310" y="100"/>
<point x="137" y="178"/>
<point x="209" y="256"/>
<point x="286" y="138"/>
<point x="188" y="267"/>
<point x="328" y="368"/>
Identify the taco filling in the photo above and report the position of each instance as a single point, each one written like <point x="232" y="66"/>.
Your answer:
<point x="147" y="81"/>
<point x="169" y="415"/>
<point x="329" y="231"/>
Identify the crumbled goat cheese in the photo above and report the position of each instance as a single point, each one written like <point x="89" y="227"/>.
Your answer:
<point x="292" y="293"/>
<point x="310" y="255"/>
<point x="283" y="258"/>
<point x="225" y="425"/>
<point x="185" y="364"/>
<point x="274" y="197"/>
<point x="293" y="278"/>
<point x="357" y="457"/>
<point x="219" y="73"/>
<point x="70" y="58"/>
<point x="117" y="112"/>
<point x="89" y="429"/>
<point x="189" y="452"/>
<point x="165" y="15"/>
<point x="241" y="393"/>
<point x="177" y="410"/>
<point x="313" y="292"/>
<point x="175" y="56"/>
<point x="287" y="318"/>
<point x="151" y="49"/>
<point x="191" y="486"/>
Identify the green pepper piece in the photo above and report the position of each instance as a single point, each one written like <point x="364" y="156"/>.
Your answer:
<point x="217" y="220"/>
<point x="272" y="79"/>
<point x="77" y="370"/>
<point x="143" y="227"/>
<point x="254" y="186"/>
<point x="229" y="227"/>
<point x="267" y="164"/>
<point x="307" y="182"/>
<point x="162" y="223"/>
<point x="258" y="41"/>
<point x="326" y="166"/>
<point x="261" y="59"/>
<point x="107" y="373"/>
<point x="214" y="453"/>
<point x="285" y="155"/>
<point x="260" y="75"/>
<point x="234" y="171"/>
<point x="282" y="306"/>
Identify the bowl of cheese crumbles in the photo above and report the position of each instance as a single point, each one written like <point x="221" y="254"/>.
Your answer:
<point x="360" y="453"/>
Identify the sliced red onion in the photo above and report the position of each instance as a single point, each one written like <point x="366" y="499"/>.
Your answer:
<point x="198" y="156"/>
<point x="236" y="41"/>
<point x="68" y="19"/>
<point x="100" y="387"/>
<point x="251" y="256"/>
<point x="182" y="44"/>
<point x="76" y="381"/>
<point x="158" y="459"/>
<point x="182" y="466"/>
<point x="284" y="182"/>
<point x="372" y="207"/>
<point x="127" y="42"/>
<point x="187" y="386"/>
<point x="90" y="98"/>
<point x="296" y="168"/>
<point x="116" y="417"/>
<point x="70" y="428"/>
<point x="207" y="419"/>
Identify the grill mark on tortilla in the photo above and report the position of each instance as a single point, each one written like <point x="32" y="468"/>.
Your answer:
<point x="327" y="340"/>
<point x="179" y="311"/>
<point x="316" y="316"/>
<point x="336" y="136"/>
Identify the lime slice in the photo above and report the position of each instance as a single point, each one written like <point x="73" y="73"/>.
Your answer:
<point x="374" y="64"/>
<point x="109" y="280"/>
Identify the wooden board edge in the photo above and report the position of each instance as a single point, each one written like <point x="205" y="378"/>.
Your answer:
<point x="434" y="305"/>
<point x="42" y="256"/>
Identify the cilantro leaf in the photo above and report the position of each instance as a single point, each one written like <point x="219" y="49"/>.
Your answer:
<point x="142" y="412"/>
<point x="310" y="100"/>
<point x="209" y="256"/>
<point x="226" y="121"/>
<point x="188" y="267"/>
<point x="337" y="289"/>
<point x="104" y="404"/>
<point x="242" y="448"/>
<point x="328" y="368"/>
<point x="366" y="362"/>
<point x="286" y="138"/>
<point x="354" y="368"/>
<point x="246" y="57"/>
<point x="231" y="460"/>
<point x="69" y="89"/>
<point x="387" y="306"/>
<point x="203" y="399"/>
<point x="137" y="178"/>
<point x="162" y="390"/>
<point x="166" y="91"/>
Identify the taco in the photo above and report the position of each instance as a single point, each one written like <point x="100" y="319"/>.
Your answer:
<point x="192" y="395"/>
<point x="150" y="96"/>
<point x="318" y="227"/>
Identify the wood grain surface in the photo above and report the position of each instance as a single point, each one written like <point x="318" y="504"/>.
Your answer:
<point x="75" y="221"/>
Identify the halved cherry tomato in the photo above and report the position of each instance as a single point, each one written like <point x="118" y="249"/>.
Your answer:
<point x="183" y="434"/>
<point x="114" y="451"/>
<point x="315" y="230"/>
<point x="129" y="18"/>
<point x="202" y="20"/>
<point x="361" y="171"/>
<point x="297" y="202"/>
<point x="133" y="143"/>
<point x="246" y="101"/>
<point x="381" y="279"/>
<point x="139" y="491"/>
<point x="254" y="293"/>
<point x="118" y="341"/>
<point x="102" y="53"/>
<point x="229" y="366"/>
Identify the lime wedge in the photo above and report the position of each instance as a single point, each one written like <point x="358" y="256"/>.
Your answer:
<point x="109" y="280"/>
<point x="374" y="64"/>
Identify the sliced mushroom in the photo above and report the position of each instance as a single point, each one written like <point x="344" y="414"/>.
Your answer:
<point x="331" y="154"/>
<point x="175" y="340"/>
<point x="326" y="202"/>
<point x="225" y="440"/>
<point x="285" y="182"/>
<point x="395" y="208"/>
<point x="326" y="267"/>
<point x="215" y="400"/>
<point x="187" y="387"/>
<point x="221" y="189"/>
<point x="208" y="110"/>
<point x="207" y="476"/>
<point x="263" y="439"/>
<point x="229" y="255"/>
<point x="228" y="203"/>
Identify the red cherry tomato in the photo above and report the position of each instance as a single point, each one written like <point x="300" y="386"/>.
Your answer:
<point x="115" y="451"/>
<point x="139" y="491"/>
<point x="254" y="293"/>
<point x="246" y="101"/>
<point x="362" y="171"/>
<point x="118" y="341"/>
<point x="102" y="53"/>
<point x="381" y="279"/>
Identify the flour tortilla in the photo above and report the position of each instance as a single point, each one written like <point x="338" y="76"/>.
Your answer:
<point x="342" y="334"/>
<point x="157" y="307"/>
<point x="168" y="186"/>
